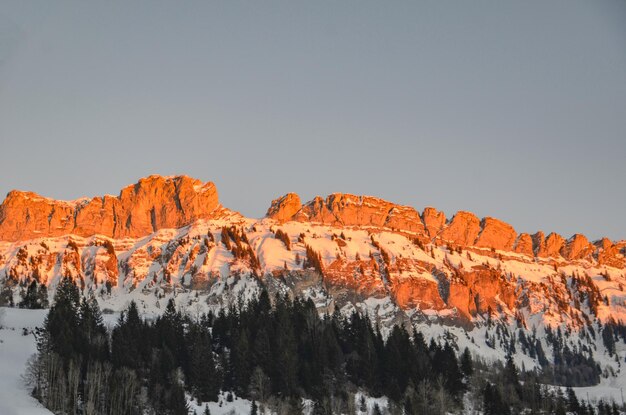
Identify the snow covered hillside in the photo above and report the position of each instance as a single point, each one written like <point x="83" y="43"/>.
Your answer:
<point x="476" y="283"/>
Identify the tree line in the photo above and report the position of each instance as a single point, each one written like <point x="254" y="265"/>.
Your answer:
<point x="272" y="351"/>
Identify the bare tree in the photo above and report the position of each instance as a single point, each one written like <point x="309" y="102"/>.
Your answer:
<point x="259" y="385"/>
<point x="73" y="382"/>
<point x="443" y="400"/>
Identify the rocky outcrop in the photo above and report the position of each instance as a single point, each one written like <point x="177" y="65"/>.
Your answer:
<point x="524" y="244"/>
<point x="26" y="215"/>
<point x="433" y="221"/>
<point x="549" y="247"/>
<point x="285" y="207"/>
<point x="349" y="210"/>
<point x="416" y="293"/>
<point x="496" y="234"/>
<point x="158" y="202"/>
<point x="609" y="253"/>
<point x="480" y="290"/>
<point x="153" y="203"/>
<point x="462" y="229"/>
<point x="577" y="247"/>
<point x="97" y="217"/>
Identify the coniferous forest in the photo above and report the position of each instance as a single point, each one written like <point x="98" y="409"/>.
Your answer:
<point x="274" y="352"/>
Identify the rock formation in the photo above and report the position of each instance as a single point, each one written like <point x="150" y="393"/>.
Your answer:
<point x="462" y="229"/>
<point x="285" y="207"/>
<point x="496" y="234"/>
<point x="524" y="244"/>
<point x="153" y="203"/>
<point x="348" y="210"/>
<point x="433" y="221"/>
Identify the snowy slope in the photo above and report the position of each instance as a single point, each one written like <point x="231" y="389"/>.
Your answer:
<point x="15" y="349"/>
<point x="378" y="271"/>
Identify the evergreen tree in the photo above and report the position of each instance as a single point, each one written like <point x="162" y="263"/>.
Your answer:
<point x="94" y="338"/>
<point x="61" y="324"/>
<point x="608" y="338"/>
<point x="30" y="299"/>
<point x="572" y="401"/>
<point x="202" y="378"/>
<point x="492" y="401"/>
<point x="42" y="296"/>
<point x="467" y="366"/>
<point x="128" y="339"/>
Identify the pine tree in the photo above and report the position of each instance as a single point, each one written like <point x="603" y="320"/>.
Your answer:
<point x="61" y="324"/>
<point x="30" y="299"/>
<point x="572" y="401"/>
<point x="202" y="376"/>
<point x="94" y="341"/>
<point x="128" y="338"/>
<point x="511" y="376"/>
<point x="42" y="296"/>
<point x="492" y="401"/>
<point x="467" y="366"/>
<point x="608" y="338"/>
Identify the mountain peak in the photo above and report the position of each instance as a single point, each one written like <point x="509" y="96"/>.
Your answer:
<point x="153" y="203"/>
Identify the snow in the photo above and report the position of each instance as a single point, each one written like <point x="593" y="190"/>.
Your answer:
<point x="15" y="349"/>
<point x="370" y="403"/>
<point x="189" y="252"/>
<point x="238" y="406"/>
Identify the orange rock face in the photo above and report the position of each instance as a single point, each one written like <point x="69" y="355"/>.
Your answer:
<point x="351" y="210"/>
<point x="496" y="234"/>
<point x="462" y="230"/>
<point x="554" y="244"/>
<point x="416" y="292"/>
<point x="158" y="202"/>
<point x="480" y="289"/>
<point x="153" y="203"/>
<point x="577" y="247"/>
<point x="465" y="229"/>
<point x="548" y="247"/>
<point x="26" y="215"/>
<point x="433" y="221"/>
<point x="524" y="244"/>
<point x="285" y="207"/>
<point x="609" y="253"/>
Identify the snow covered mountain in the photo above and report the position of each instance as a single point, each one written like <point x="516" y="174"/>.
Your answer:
<point x="473" y="280"/>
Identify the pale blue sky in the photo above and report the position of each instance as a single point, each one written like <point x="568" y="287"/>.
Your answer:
<point x="513" y="109"/>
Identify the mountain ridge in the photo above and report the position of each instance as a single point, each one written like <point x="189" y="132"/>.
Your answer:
<point x="165" y="234"/>
<point x="158" y="202"/>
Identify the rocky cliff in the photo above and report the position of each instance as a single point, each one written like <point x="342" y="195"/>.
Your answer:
<point x="342" y="249"/>
<point x="152" y="203"/>
<point x="464" y="229"/>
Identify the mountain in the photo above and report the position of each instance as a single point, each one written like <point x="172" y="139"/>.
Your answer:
<point x="170" y="236"/>
<point x="151" y="204"/>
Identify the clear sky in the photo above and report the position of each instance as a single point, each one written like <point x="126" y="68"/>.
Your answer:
<point x="512" y="109"/>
